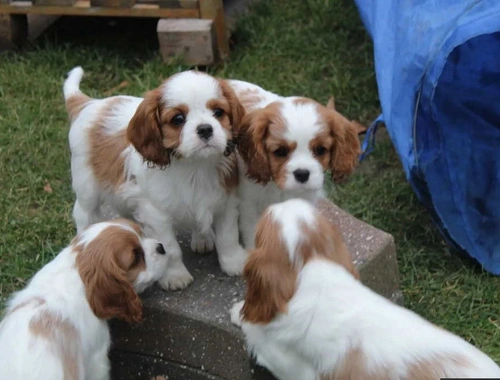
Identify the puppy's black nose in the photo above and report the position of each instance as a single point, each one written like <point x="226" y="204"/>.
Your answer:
<point x="301" y="175"/>
<point x="205" y="131"/>
<point x="159" y="249"/>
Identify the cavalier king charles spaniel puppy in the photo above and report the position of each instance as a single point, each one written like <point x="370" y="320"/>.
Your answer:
<point x="166" y="161"/>
<point x="285" y="146"/>
<point x="306" y="315"/>
<point x="56" y="328"/>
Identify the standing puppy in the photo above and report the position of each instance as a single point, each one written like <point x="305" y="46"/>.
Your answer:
<point x="286" y="145"/>
<point x="56" y="328"/>
<point x="307" y="317"/>
<point x="165" y="160"/>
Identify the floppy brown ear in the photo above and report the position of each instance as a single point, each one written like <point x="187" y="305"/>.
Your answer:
<point x="145" y="133"/>
<point x="237" y="112"/>
<point x="346" y="147"/>
<point x="108" y="291"/>
<point x="271" y="282"/>
<point x="251" y="147"/>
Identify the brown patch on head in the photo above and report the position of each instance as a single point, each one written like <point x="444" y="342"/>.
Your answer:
<point x="108" y="265"/>
<point x="63" y="339"/>
<point x="155" y="129"/>
<point x="346" y="147"/>
<point x="269" y="274"/>
<point x="75" y="104"/>
<point x="228" y="173"/>
<point x="354" y="366"/>
<point x="324" y="240"/>
<point x="260" y="131"/>
<point x="106" y="149"/>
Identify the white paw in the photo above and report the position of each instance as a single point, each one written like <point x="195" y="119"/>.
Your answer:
<point x="201" y="243"/>
<point x="235" y="313"/>
<point x="176" y="278"/>
<point x="233" y="261"/>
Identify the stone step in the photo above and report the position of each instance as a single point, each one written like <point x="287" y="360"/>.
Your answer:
<point x="188" y="335"/>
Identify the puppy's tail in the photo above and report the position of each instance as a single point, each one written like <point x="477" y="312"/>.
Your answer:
<point x="75" y="99"/>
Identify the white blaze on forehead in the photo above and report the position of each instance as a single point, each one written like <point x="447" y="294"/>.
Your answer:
<point x="291" y="215"/>
<point x="302" y="121"/>
<point x="191" y="88"/>
<point x="95" y="230"/>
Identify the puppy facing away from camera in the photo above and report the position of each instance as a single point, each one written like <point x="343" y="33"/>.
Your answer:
<point x="306" y="316"/>
<point x="56" y="328"/>
<point x="166" y="160"/>
<point x="286" y="144"/>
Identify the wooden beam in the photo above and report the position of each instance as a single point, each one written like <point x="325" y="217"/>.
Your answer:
<point x="214" y="10"/>
<point x="83" y="8"/>
<point x="13" y="31"/>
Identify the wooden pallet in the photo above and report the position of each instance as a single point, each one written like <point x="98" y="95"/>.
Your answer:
<point x="13" y="24"/>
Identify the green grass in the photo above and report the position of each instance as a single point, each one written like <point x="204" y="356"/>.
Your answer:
<point x="313" y="48"/>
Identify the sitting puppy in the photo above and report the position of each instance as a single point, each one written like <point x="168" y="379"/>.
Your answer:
<point x="307" y="317"/>
<point x="56" y="327"/>
<point x="286" y="145"/>
<point x="166" y="160"/>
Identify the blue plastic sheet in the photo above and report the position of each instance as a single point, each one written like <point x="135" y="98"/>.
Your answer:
<point x="437" y="66"/>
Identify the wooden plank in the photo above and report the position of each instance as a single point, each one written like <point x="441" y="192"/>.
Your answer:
<point x="54" y="3"/>
<point x="83" y="8"/>
<point x="175" y="4"/>
<point x="13" y="31"/>
<point x="112" y="3"/>
<point x="214" y="10"/>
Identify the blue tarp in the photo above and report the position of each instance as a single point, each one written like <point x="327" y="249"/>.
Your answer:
<point x="437" y="66"/>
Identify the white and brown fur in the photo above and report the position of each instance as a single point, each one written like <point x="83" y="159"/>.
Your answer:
<point x="56" y="328"/>
<point x="286" y="144"/>
<point x="166" y="160"/>
<point x="306" y="315"/>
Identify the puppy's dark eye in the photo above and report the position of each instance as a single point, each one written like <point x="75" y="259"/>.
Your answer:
<point x="218" y="112"/>
<point x="178" y="119"/>
<point x="138" y="255"/>
<point x="319" y="151"/>
<point x="281" y="152"/>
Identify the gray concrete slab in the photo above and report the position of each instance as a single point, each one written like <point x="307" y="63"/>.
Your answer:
<point x="188" y="334"/>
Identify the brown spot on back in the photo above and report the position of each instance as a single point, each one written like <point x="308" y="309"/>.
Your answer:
<point x="106" y="148"/>
<point x="250" y="98"/>
<point x="75" y="103"/>
<point x="34" y="302"/>
<point x="63" y="338"/>
<point x="300" y="100"/>
<point x="434" y="368"/>
<point x="108" y="265"/>
<point x="353" y="366"/>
